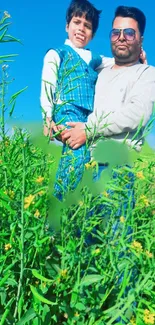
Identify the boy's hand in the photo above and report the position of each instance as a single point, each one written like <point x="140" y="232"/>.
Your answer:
<point x="75" y="137"/>
<point x="50" y="127"/>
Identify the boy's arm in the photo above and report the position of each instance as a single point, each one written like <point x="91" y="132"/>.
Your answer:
<point x="106" y="62"/>
<point x="48" y="84"/>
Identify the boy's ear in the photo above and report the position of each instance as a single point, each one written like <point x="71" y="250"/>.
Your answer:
<point x="67" y="28"/>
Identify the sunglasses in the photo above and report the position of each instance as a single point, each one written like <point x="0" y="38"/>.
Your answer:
<point x="128" y="34"/>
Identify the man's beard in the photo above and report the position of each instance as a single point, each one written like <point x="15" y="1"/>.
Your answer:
<point x="126" y="56"/>
<point x="121" y="54"/>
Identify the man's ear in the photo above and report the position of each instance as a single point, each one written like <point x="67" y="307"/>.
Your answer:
<point x="67" y="28"/>
<point x="141" y="41"/>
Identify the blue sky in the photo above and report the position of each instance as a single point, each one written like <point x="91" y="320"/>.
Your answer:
<point x="41" y="25"/>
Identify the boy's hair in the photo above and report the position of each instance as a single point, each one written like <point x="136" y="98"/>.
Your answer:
<point x="134" y="13"/>
<point x="78" y="8"/>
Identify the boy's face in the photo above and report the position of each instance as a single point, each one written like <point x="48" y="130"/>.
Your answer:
<point x="79" y="31"/>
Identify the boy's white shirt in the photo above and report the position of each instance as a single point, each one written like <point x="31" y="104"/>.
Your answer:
<point x="49" y="74"/>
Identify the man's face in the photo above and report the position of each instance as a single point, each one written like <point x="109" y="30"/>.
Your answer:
<point x="126" y="51"/>
<point x="79" y="31"/>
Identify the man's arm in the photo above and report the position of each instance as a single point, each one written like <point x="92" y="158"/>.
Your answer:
<point x="138" y="106"/>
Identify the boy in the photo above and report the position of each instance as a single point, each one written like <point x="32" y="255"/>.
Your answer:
<point x="68" y="85"/>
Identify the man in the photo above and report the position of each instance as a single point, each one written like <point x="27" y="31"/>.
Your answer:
<point x="124" y="98"/>
<point x="125" y="91"/>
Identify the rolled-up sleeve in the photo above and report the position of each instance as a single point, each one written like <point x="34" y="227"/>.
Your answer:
<point x="48" y="81"/>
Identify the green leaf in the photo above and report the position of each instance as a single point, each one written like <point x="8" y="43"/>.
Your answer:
<point x="4" y="279"/>
<point x="30" y="314"/>
<point x="46" y="315"/>
<point x="7" y="310"/>
<point x="4" y="316"/>
<point x="4" y="26"/>
<point x="41" y="298"/>
<point x="40" y="277"/>
<point x="20" y="305"/>
<point x="90" y="279"/>
<point x="2" y="35"/>
<point x="12" y="39"/>
<point x="14" y="96"/>
<point x="12" y="108"/>
<point x="7" y="56"/>
<point x="79" y="306"/>
<point x="7" y="207"/>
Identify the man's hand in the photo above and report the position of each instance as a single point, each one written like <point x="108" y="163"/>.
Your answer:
<point x="50" y="127"/>
<point x="75" y="137"/>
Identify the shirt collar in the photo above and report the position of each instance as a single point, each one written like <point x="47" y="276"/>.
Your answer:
<point x="77" y="49"/>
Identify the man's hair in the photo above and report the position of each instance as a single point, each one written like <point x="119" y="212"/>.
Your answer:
<point x="132" y="12"/>
<point x="78" y="8"/>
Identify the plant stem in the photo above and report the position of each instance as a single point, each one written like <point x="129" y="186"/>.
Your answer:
<point x="3" y="107"/>
<point x="22" y="237"/>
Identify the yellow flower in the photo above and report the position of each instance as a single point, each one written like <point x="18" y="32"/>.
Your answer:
<point x="63" y="273"/>
<point x="6" y="143"/>
<point x="37" y="214"/>
<point x="81" y="203"/>
<point x="1" y="161"/>
<point x="146" y="312"/>
<point x="137" y="246"/>
<point x="149" y="254"/>
<point x="44" y="284"/>
<point x="7" y="247"/>
<point x="28" y="201"/>
<point x="96" y="251"/>
<point x="122" y="219"/>
<point x="76" y="314"/>
<point x="144" y="200"/>
<point x="149" y="318"/>
<point x="94" y="164"/>
<point x="60" y="180"/>
<point x="105" y="193"/>
<point x="87" y="166"/>
<point x="140" y="175"/>
<point x="132" y="321"/>
<point x="41" y="193"/>
<point x="39" y="179"/>
<point x="10" y="193"/>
